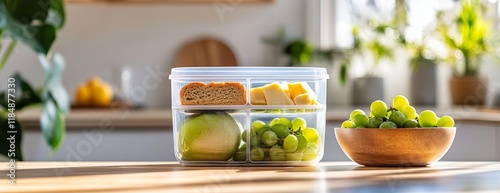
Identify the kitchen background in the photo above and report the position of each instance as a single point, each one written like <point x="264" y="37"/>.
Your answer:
<point x="99" y="39"/>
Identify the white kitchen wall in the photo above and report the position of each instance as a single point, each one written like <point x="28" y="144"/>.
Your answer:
<point x="100" y="38"/>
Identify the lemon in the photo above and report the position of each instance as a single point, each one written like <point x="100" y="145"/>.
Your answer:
<point x="82" y="95"/>
<point x="102" y="94"/>
<point x="94" y="82"/>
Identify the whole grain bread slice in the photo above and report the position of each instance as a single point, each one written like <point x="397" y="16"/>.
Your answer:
<point x="215" y="93"/>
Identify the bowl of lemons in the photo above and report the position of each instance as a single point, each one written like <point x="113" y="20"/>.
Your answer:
<point x="395" y="135"/>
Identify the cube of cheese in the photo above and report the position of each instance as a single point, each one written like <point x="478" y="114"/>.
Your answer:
<point x="257" y="96"/>
<point x="298" y="88"/>
<point x="275" y="95"/>
<point x="303" y="99"/>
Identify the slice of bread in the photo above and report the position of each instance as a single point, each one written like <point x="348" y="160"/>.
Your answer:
<point x="215" y="93"/>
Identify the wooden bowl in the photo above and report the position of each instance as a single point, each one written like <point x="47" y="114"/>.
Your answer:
<point x="395" y="147"/>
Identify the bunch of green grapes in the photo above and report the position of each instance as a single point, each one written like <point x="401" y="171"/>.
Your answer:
<point x="280" y="140"/>
<point x="400" y="114"/>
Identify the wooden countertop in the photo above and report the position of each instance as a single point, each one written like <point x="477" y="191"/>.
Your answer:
<point x="68" y="177"/>
<point x="162" y="118"/>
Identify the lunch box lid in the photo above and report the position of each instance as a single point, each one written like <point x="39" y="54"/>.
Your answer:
<point x="253" y="72"/>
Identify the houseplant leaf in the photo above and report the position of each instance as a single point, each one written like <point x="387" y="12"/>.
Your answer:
<point x="57" y="15"/>
<point x="25" y="11"/>
<point x="52" y="124"/>
<point x="38" y="35"/>
<point x="24" y="94"/>
<point x="53" y="85"/>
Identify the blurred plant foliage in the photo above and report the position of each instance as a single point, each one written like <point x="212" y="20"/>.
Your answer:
<point x="300" y="52"/>
<point x="34" y="23"/>
<point x="469" y="35"/>
<point x="372" y="43"/>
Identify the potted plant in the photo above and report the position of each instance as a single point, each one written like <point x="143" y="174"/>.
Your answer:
<point x="299" y="52"/>
<point x="34" y="23"/>
<point x="469" y="37"/>
<point x="423" y="64"/>
<point x="370" y="46"/>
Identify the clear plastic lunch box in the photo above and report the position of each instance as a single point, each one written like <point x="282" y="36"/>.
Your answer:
<point x="206" y="134"/>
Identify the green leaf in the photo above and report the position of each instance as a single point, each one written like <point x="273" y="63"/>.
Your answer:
<point x="5" y="143"/>
<point x="37" y="35"/>
<point x="24" y="94"/>
<point x="27" y="11"/>
<point x="52" y="124"/>
<point x="53" y="84"/>
<point x="57" y="15"/>
<point x="343" y="71"/>
<point x="59" y="131"/>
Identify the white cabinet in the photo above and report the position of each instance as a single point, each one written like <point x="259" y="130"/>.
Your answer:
<point x="95" y="145"/>
<point x="474" y="142"/>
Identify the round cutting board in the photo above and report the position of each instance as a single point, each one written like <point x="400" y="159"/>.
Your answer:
<point x="205" y="52"/>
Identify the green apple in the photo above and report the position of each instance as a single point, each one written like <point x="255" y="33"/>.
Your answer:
<point x="212" y="136"/>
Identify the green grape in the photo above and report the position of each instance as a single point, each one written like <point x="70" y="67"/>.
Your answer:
<point x="398" y="118"/>
<point x="244" y="136"/>
<point x="445" y="121"/>
<point x="277" y="153"/>
<point x="256" y="154"/>
<point x="378" y="108"/>
<point x="269" y="138"/>
<point x="310" y="134"/>
<point x="283" y="120"/>
<point x="399" y="102"/>
<point x="274" y="121"/>
<point x="347" y="124"/>
<point x="266" y="153"/>
<point x="388" y="124"/>
<point x="298" y="123"/>
<point x="302" y="144"/>
<point x="258" y="124"/>
<point x="241" y="154"/>
<point x="315" y="145"/>
<point x="411" y="124"/>
<point x="374" y="122"/>
<point x="427" y="118"/>
<point x="360" y="120"/>
<point x="409" y="112"/>
<point x="291" y="143"/>
<point x="262" y="130"/>
<point x="255" y="141"/>
<point x="280" y="130"/>
<point x="388" y="114"/>
<point x="294" y="156"/>
<point x="253" y="131"/>
<point x="309" y="154"/>
<point x="356" y="112"/>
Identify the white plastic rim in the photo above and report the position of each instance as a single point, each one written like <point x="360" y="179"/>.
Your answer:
<point x="252" y="72"/>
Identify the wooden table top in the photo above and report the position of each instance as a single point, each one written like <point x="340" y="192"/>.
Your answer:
<point x="68" y="177"/>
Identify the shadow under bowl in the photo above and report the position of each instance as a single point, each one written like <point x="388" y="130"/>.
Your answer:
<point x="395" y="147"/>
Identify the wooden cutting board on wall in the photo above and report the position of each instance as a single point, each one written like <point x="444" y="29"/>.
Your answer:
<point x="205" y="51"/>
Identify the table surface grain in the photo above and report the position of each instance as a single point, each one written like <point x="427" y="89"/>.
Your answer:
<point x="69" y="177"/>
